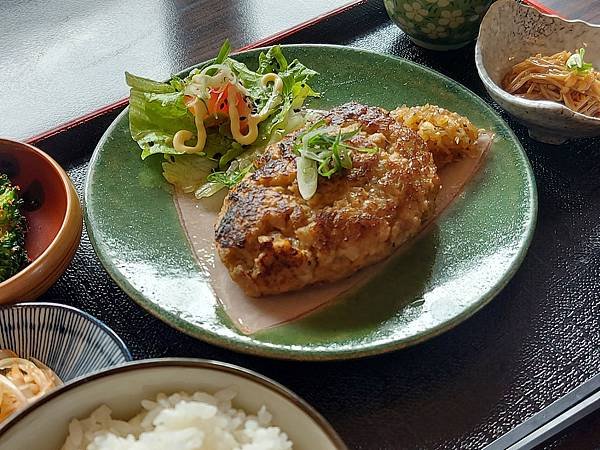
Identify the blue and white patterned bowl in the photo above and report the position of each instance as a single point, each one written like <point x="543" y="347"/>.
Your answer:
<point x="69" y="341"/>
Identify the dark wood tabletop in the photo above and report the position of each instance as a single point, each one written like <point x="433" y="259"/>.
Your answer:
<point x="62" y="59"/>
<point x="65" y="59"/>
<point x="539" y="339"/>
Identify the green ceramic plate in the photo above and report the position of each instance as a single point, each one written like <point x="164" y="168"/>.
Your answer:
<point x="466" y="259"/>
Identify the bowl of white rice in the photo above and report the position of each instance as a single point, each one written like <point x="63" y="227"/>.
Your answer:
<point x="174" y="404"/>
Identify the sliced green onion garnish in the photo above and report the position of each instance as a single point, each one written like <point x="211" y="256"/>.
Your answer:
<point x="323" y="151"/>
<point x="576" y="62"/>
<point x="307" y="177"/>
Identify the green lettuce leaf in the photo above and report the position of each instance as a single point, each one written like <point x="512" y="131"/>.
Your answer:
<point x="156" y="112"/>
<point x="296" y="90"/>
<point x="187" y="172"/>
<point x="272" y="62"/>
<point x="223" y="52"/>
<point x="146" y="85"/>
<point x="218" y="142"/>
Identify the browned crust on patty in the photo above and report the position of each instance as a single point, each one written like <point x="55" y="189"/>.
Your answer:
<point x="272" y="240"/>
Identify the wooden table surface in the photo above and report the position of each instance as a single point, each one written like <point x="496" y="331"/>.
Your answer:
<point x="64" y="59"/>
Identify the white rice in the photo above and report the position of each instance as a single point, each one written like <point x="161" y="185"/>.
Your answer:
<point x="179" y="422"/>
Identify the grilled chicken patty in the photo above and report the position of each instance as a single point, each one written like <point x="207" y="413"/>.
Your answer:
<point x="272" y="240"/>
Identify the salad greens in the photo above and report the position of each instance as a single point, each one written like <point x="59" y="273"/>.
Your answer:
<point x="159" y="110"/>
<point x="229" y="178"/>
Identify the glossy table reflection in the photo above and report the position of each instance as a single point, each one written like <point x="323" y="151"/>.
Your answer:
<point x="65" y="58"/>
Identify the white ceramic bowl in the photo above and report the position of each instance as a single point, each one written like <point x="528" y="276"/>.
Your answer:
<point x="510" y="33"/>
<point x="44" y="425"/>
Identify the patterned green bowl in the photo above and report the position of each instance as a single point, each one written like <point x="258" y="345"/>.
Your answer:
<point x="438" y="24"/>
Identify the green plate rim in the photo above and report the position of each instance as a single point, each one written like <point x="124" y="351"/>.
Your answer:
<point x="258" y="348"/>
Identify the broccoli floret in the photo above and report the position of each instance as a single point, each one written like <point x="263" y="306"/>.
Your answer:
<point x="13" y="255"/>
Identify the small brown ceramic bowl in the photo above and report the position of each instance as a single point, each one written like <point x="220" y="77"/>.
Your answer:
<point x="53" y="215"/>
